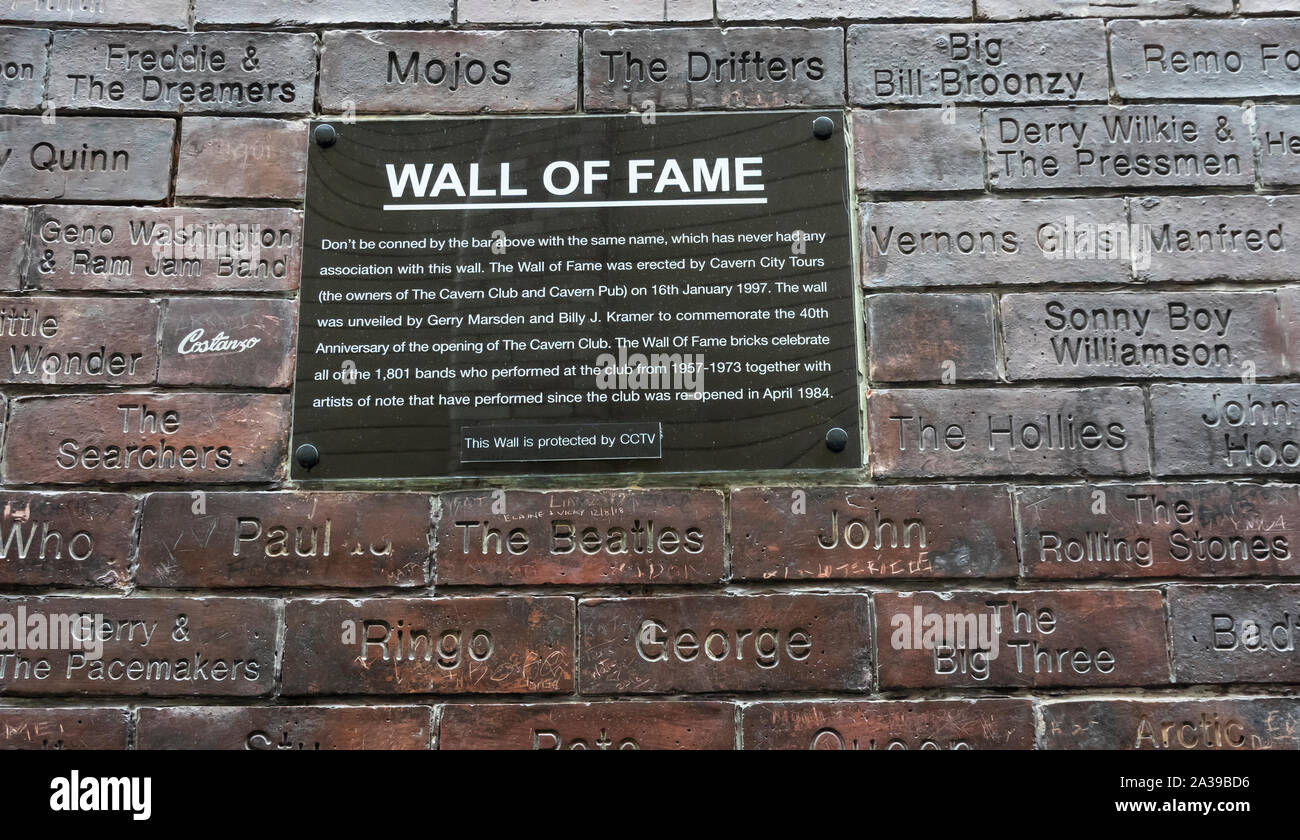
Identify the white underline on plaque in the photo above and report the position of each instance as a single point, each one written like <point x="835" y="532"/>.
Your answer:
<point x="562" y="205"/>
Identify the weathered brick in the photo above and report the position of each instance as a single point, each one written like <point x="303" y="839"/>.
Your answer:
<point x="1226" y="429"/>
<point x="1237" y="723"/>
<point x="1154" y="146"/>
<point x="65" y="539"/>
<point x="931" y="338"/>
<point x="910" y="64"/>
<point x="924" y="150"/>
<point x="581" y="537"/>
<point x="1201" y="59"/>
<point x="583" y="11"/>
<point x="1289" y="304"/>
<point x="318" y="12"/>
<point x="1007" y="431"/>
<point x="284" y="728"/>
<point x="890" y="725"/>
<point x="13" y="252"/>
<point x="1157" y="530"/>
<point x="151" y="647"/>
<point x="284" y="539"/>
<point x="96" y="248"/>
<point x="63" y="729"/>
<point x="78" y="341"/>
<point x="242" y="157"/>
<point x="86" y="158"/>
<point x="1235" y="634"/>
<point x="228" y="341"/>
<point x="169" y="14"/>
<point x="993" y="243"/>
<point x="704" y="643"/>
<point x="1251" y="7"/>
<point x="23" y="84"/>
<point x="1004" y="9"/>
<point x="666" y="725"/>
<point x="450" y="71"/>
<point x="491" y="645"/>
<point x="829" y="9"/>
<point x="1144" y="335"/>
<point x="871" y="533"/>
<point x="624" y="69"/>
<point x="1277" y="130"/>
<point x="1241" y="238"/>
<point x="211" y="438"/>
<point x="199" y="73"/>
<point x="1013" y="639"/>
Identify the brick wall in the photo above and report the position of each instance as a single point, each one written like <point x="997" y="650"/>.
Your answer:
<point x="1094" y="443"/>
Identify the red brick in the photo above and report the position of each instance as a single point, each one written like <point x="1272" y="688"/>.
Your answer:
<point x="228" y="341"/>
<point x="63" y="729"/>
<point x="284" y="728"/>
<point x="242" y="157"/>
<point x="68" y="539"/>
<point x="71" y="439"/>
<point x="666" y="725"/>
<point x="78" y="341"/>
<point x="931" y="338"/>
<point x="923" y="150"/>
<point x="491" y="645"/>
<point x="804" y="642"/>
<point x="1059" y="637"/>
<point x="928" y="531"/>
<point x="151" y="647"/>
<point x="890" y="725"/>
<point x="112" y="158"/>
<point x="13" y="233"/>
<point x="581" y="537"/>
<point x="215" y="540"/>
<point x="1238" y="723"/>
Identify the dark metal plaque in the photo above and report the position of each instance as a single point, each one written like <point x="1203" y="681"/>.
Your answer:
<point x="643" y="293"/>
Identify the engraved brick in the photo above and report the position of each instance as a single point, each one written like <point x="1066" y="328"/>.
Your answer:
<point x="1007" y="431"/>
<point x="918" y="151"/>
<point x="1263" y="7"/>
<point x="1004" y="9"/>
<point x="1238" y="723"/>
<point x="228" y="341"/>
<point x="1158" y="530"/>
<point x="318" y="12"/>
<point x="199" y="73"/>
<point x="689" y="69"/>
<point x="1224" y="429"/>
<point x="132" y="249"/>
<point x="1277" y="132"/>
<point x="583" y="11"/>
<point x="86" y="158"/>
<point x="829" y="9"/>
<point x="169" y="14"/>
<point x="416" y="72"/>
<point x="1201" y="59"/>
<point x="78" y="341"/>
<point x="1235" y="634"/>
<point x="68" y="539"/>
<point x="988" y="243"/>
<point x="1015" y="639"/>
<point x="666" y="725"/>
<point x="890" y="725"/>
<point x="242" y="157"/>
<point x="284" y="728"/>
<point x="133" y="437"/>
<point x="63" y="729"/>
<point x="1145" y="335"/>
<point x="284" y="539"/>
<point x="931" y="337"/>
<point x="13" y="236"/>
<point x="928" y="532"/>
<point x="23" y="83"/>
<point x="1240" y="238"/>
<point x="704" y="643"/>
<point x="1131" y="146"/>
<point x="581" y="537"/>
<point x="492" y="645"/>
<point x="148" y="647"/>
<point x="909" y="64"/>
